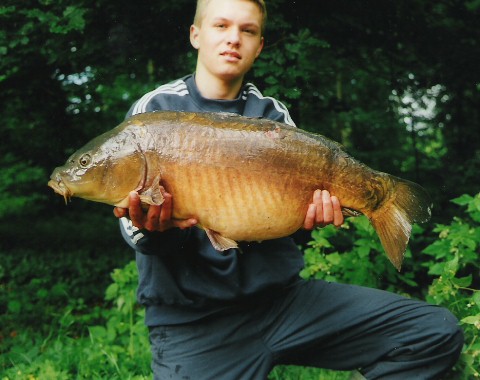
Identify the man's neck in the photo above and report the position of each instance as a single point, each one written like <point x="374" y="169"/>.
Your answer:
<point x="212" y="87"/>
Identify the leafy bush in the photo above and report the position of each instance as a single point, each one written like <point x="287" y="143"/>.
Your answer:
<point x="454" y="259"/>
<point x="19" y="186"/>
<point x="447" y="274"/>
<point x="123" y="339"/>
<point x="50" y="292"/>
<point x="116" y="347"/>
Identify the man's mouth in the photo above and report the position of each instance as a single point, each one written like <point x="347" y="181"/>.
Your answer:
<point x="231" y="54"/>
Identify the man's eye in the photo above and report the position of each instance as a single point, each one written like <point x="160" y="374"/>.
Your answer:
<point x="252" y="32"/>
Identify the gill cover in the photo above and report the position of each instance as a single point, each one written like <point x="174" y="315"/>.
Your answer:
<point x="107" y="168"/>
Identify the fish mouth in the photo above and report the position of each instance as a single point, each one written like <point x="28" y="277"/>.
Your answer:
<point x="60" y="188"/>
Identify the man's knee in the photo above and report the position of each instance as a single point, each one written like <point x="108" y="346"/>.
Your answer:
<point x="430" y="347"/>
<point x="449" y="328"/>
<point x="442" y="338"/>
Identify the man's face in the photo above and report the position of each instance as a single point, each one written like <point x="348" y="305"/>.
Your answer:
<point x="229" y="38"/>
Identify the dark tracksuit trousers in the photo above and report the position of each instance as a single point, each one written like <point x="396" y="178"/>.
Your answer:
<point x="317" y="324"/>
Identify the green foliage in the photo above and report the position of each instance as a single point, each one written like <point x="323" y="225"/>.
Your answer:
<point x="360" y="259"/>
<point x="454" y="259"/>
<point x="452" y="268"/>
<point x="34" y="29"/>
<point x="288" y="72"/>
<point x="304" y="373"/>
<point x="122" y="342"/>
<point x="116" y="346"/>
<point x="49" y="286"/>
<point x="18" y="180"/>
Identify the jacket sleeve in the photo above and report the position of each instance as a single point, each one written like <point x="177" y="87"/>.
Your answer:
<point x="143" y="241"/>
<point x="267" y="107"/>
<point x="279" y="114"/>
<point x="153" y="243"/>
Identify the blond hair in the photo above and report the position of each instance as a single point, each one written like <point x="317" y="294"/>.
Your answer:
<point x="202" y="4"/>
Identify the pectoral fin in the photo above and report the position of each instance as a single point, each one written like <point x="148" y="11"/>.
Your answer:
<point x="219" y="242"/>
<point x="153" y="195"/>
<point x="350" y="212"/>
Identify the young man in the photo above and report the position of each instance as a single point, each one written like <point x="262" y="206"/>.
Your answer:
<point x="236" y="315"/>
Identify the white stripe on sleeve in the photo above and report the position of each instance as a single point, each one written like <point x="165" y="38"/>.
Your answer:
<point x="175" y="88"/>
<point x="279" y="106"/>
<point x="132" y="231"/>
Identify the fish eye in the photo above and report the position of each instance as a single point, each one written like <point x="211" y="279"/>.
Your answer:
<point x="85" y="160"/>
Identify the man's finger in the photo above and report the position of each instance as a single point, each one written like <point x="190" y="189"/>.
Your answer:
<point x="327" y="207"/>
<point x="309" y="222"/>
<point x="337" y="212"/>
<point x="185" y="223"/>
<point x="317" y="200"/>
<point x="166" y="213"/>
<point x="135" y="210"/>
<point x="153" y="216"/>
<point x="120" y="212"/>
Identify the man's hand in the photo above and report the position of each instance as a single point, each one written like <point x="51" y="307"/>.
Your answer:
<point x="157" y="218"/>
<point x="324" y="209"/>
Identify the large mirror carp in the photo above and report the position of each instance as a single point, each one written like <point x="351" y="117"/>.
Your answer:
<point x="243" y="179"/>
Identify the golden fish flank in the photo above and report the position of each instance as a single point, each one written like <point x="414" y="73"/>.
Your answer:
<point x="241" y="178"/>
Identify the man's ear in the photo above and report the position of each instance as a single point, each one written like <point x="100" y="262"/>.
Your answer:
<point x="259" y="50"/>
<point x="194" y="36"/>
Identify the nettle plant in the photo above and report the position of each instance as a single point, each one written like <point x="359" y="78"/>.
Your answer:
<point x="455" y="260"/>
<point x="446" y="272"/>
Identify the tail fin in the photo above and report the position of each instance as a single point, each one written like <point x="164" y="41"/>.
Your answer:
<point x="393" y="221"/>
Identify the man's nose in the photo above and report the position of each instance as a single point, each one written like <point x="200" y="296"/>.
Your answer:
<point x="234" y="36"/>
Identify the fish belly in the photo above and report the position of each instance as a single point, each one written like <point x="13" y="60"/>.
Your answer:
<point x="238" y="204"/>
